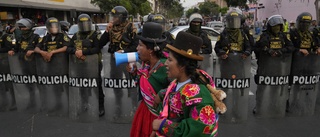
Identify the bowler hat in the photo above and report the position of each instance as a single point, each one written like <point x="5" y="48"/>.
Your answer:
<point x="152" y="33"/>
<point x="187" y="45"/>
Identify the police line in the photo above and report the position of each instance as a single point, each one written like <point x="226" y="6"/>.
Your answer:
<point x="64" y="79"/>
<point x="283" y="80"/>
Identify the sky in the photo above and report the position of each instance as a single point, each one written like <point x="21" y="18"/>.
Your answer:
<point x="188" y="3"/>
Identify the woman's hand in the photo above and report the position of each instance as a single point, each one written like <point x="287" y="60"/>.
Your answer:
<point x="131" y="68"/>
<point x="156" y="101"/>
<point x="11" y="52"/>
<point x="156" y="124"/>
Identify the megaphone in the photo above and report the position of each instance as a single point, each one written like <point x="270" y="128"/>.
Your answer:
<point x="126" y="57"/>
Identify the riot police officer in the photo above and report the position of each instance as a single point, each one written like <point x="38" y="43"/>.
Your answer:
<point x="121" y="34"/>
<point x="160" y="19"/>
<point x="65" y="25"/>
<point x="6" y="41"/>
<point x="54" y="42"/>
<point x="195" y="21"/>
<point x="233" y="39"/>
<point x="86" y="42"/>
<point x="28" y="40"/>
<point x="273" y="40"/>
<point x="273" y="51"/>
<point x="302" y="38"/>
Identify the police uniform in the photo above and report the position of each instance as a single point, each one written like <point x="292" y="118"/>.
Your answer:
<point x="28" y="43"/>
<point x="89" y="44"/>
<point x="122" y="38"/>
<point x="6" y="43"/>
<point x="301" y="37"/>
<point x="49" y="43"/>
<point x="227" y="43"/>
<point x="266" y="41"/>
<point x="316" y="35"/>
<point x="302" y="40"/>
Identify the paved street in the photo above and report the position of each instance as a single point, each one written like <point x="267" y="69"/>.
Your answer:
<point x="15" y="124"/>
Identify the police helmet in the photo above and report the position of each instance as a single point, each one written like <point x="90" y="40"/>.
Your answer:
<point x="243" y="17"/>
<point x="25" y="22"/>
<point x="195" y="17"/>
<point x="303" y="21"/>
<point x="120" y="12"/>
<point x="84" y="23"/>
<point x="233" y="20"/>
<point x="158" y="18"/>
<point x="52" y="25"/>
<point x="65" y="25"/>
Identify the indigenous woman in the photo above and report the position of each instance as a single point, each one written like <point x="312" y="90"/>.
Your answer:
<point x="188" y="107"/>
<point x="152" y="78"/>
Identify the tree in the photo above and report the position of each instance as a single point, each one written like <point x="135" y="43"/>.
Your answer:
<point x="223" y="10"/>
<point x="170" y="8"/>
<point x="209" y="8"/>
<point x="175" y="10"/>
<point x="133" y="6"/>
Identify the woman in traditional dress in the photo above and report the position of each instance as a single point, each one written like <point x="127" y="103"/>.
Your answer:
<point x="188" y="106"/>
<point x="152" y="78"/>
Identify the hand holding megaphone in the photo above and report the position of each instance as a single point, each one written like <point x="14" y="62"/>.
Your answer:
<point x="131" y="67"/>
<point x="126" y="57"/>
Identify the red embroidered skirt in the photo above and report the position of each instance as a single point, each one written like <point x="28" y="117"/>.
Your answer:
<point x="142" y="122"/>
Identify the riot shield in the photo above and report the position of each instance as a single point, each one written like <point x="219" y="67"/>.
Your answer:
<point x="83" y="88"/>
<point x="23" y="70"/>
<point x="232" y="75"/>
<point x="304" y="78"/>
<point x="207" y="63"/>
<point x="272" y="81"/>
<point x="53" y="84"/>
<point x="120" y="91"/>
<point x="7" y="100"/>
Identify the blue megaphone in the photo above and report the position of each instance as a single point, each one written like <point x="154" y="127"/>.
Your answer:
<point x="126" y="57"/>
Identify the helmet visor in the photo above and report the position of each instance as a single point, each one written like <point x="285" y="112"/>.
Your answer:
<point x="233" y="23"/>
<point x="276" y="20"/>
<point x="85" y="26"/>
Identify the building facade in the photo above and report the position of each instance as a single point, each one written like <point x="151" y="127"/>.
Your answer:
<point x="288" y="9"/>
<point x="40" y="10"/>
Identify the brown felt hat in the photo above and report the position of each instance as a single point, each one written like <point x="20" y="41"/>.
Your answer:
<point x="187" y="45"/>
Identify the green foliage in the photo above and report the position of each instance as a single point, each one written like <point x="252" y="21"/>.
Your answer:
<point x="133" y="6"/>
<point x="170" y="8"/>
<point x="209" y="8"/>
<point x="224" y="10"/>
<point x="175" y="10"/>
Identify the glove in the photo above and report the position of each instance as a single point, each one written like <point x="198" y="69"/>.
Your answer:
<point x="271" y="52"/>
<point x="278" y="52"/>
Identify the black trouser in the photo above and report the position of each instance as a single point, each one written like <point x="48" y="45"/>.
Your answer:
<point x="101" y="94"/>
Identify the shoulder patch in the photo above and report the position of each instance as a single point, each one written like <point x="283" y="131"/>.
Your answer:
<point x="9" y="39"/>
<point x="65" y="38"/>
<point x="40" y="39"/>
<point x="251" y="32"/>
<point x="218" y="39"/>
<point x="258" y="38"/>
<point x="288" y="37"/>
